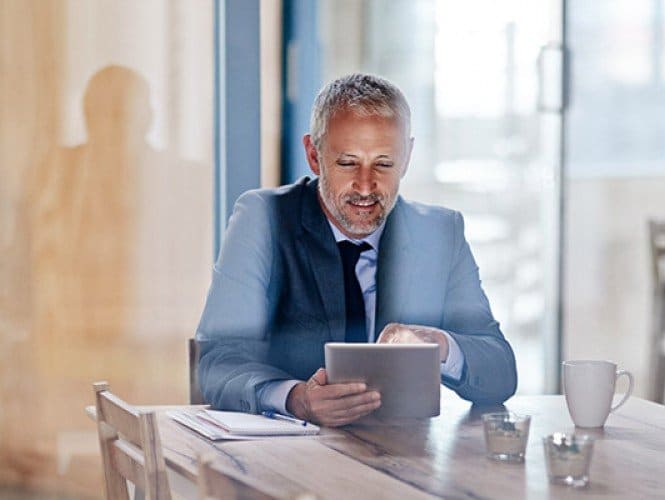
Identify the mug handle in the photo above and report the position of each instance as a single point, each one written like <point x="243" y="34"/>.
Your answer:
<point x="631" y="383"/>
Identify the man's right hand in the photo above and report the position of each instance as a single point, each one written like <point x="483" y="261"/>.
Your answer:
<point x="331" y="405"/>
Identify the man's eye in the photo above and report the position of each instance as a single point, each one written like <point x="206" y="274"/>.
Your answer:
<point x="345" y="163"/>
<point x="385" y="165"/>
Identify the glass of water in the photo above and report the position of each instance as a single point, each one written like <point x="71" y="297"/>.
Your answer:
<point x="506" y="435"/>
<point x="568" y="457"/>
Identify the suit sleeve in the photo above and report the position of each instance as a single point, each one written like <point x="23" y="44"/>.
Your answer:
<point x="489" y="374"/>
<point x="234" y="329"/>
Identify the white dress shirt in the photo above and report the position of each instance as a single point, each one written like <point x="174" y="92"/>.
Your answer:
<point x="273" y="395"/>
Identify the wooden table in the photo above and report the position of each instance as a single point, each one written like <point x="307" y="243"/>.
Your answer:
<point x="439" y="457"/>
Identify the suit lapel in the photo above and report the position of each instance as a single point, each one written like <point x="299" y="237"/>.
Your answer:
<point x="394" y="273"/>
<point x="324" y="260"/>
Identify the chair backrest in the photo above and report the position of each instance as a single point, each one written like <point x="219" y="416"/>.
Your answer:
<point x="195" y="396"/>
<point x="130" y="446"/>
<point x="215" y="484"/>
<point x="657" y="240"/>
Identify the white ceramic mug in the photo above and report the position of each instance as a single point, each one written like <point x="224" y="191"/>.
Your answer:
<point x="589" y="389"/>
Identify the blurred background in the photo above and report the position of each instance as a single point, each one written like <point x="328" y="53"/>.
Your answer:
<point x="128" y="128"/>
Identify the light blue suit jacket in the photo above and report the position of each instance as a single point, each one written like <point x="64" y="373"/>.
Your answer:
<point x="277" y="296"/>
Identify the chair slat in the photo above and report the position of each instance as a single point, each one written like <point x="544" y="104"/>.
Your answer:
<point x="115" y="484"/>
<point x="129" y="461"/>
<point x="121" y="416"/>
<point x="131" y="448"/>
<point x="195" y="395"/>
<point x="156" y="476"/>
<point x="657" y="347"/>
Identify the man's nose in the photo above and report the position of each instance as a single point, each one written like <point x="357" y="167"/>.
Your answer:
<point x="364" y="181"/>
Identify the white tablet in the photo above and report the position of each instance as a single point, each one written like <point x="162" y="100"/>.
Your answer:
<point x="408" y="376"/>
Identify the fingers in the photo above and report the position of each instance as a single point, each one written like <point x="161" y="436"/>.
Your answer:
<point x="332" y="404"/>
<point x="383" y="338"/>
<point x="386" y="338"/>
<point x="341" y="406"/>
<point x="340" y="421"/>
<point x="397" y="337"/>
<point x="335" y="412"/>
<point x="337" y="391"/>
<point x="320" y="377"/>
<point x="333" y="391"/>
<point x="341" y="396"/>
<point x="396" y="333"/>
<point x="388" y="333"/>
<point x="335" y="404"/>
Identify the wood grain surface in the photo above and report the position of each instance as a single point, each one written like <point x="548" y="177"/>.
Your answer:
<point x="441" y="457"/>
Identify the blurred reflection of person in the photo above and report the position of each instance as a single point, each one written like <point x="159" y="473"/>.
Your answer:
<point x="111" y="216"/>
<point x="110" y="225"/>
<point x="84" y="199"/>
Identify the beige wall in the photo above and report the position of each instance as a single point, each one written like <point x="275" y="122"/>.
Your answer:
<point x="105" y="219"/>
<point x="271" y="92"/>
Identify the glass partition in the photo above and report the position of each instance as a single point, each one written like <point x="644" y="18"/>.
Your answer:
<point x="615" y="181"/>
<point x="105" y="219"/>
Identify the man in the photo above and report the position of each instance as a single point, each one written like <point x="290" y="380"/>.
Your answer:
<point x="287" y="282"/>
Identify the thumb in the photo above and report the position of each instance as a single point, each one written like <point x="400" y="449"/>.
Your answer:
<point x="320" y="377"/>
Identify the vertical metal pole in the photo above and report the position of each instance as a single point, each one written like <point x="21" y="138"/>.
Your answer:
<point x="565" y="100"/>
<point x="218" y="114"/>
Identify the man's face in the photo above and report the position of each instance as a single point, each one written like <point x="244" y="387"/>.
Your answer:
<point x="360" y="164"/>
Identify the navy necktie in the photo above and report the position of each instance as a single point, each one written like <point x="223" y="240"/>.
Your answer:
<point x="353" y="295"/>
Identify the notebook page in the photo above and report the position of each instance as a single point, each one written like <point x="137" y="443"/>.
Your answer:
<point x="204" y="428"/>
<point x="256" y="425"/>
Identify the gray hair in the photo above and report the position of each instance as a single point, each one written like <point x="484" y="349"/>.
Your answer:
<point x="364" y="94"/>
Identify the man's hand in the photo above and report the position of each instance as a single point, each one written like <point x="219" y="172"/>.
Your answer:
<point x="331" y="405"/>
<point x="397" y="333"/>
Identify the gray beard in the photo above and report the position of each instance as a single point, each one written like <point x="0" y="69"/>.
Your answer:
<point x="339" y="216"/>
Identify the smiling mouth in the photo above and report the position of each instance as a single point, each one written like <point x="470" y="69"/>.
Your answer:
<point x="363" y="203"/>
<point x="363" y="208"/>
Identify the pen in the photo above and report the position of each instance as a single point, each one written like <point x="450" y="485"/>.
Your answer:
<point x="279" y="416"/>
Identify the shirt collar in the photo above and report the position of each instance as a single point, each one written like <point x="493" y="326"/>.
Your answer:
<point x="372" y="239"/>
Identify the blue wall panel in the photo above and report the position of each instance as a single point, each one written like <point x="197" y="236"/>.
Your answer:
<point x="301" y="82"/>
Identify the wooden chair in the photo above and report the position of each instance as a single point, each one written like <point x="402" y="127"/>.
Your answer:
<point x="195" y="396"/>
<point x="130" y="446"/>
<point x="217" y="485"/>
<point x="657" y="242"/>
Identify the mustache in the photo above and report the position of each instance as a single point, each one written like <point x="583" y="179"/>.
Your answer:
<point x="356" y="198"/>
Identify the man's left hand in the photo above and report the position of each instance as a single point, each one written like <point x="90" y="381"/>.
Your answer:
<point x="397" y="333"/>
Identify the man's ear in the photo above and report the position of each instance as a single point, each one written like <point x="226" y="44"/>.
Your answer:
<point x="312" y="154"/>
<point x="407" y="161"/>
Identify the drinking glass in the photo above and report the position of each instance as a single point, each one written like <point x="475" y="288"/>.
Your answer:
<point x="506" y="435"/>
<point x="568" y="457"/>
